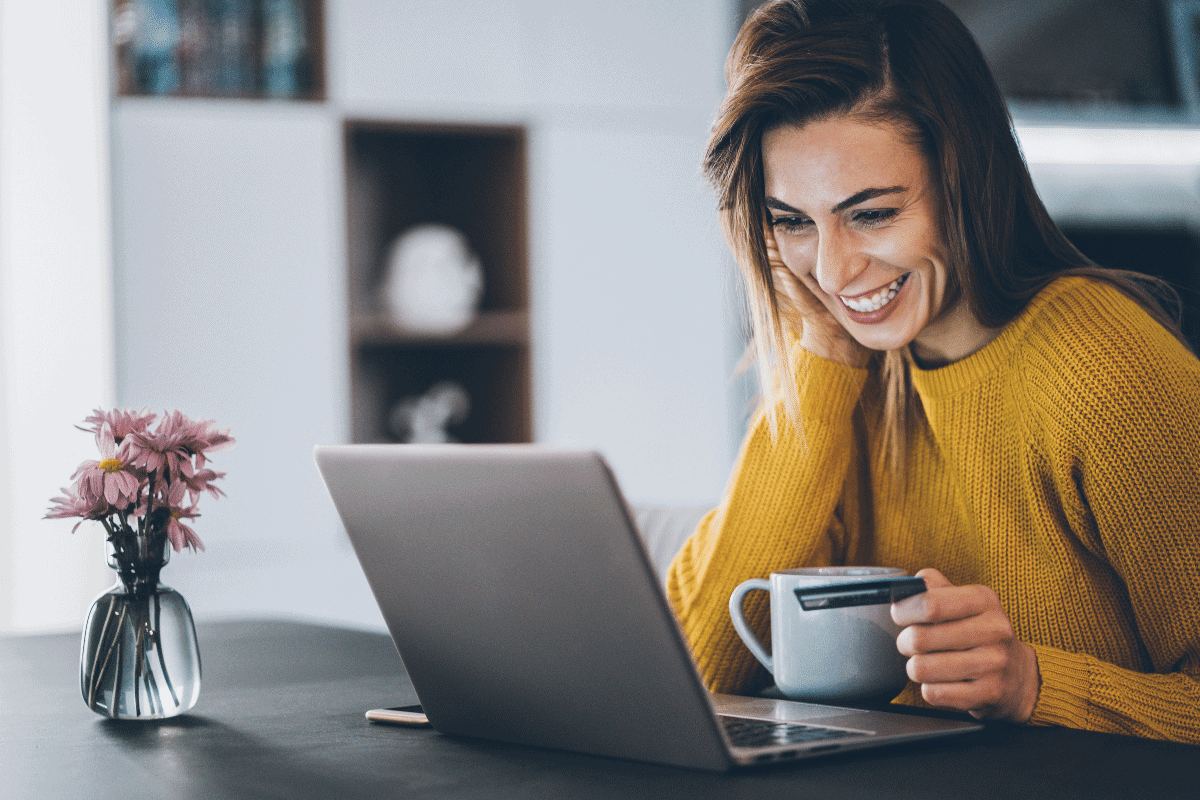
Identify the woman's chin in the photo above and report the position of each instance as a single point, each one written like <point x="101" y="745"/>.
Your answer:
<point x="881" y="340"/>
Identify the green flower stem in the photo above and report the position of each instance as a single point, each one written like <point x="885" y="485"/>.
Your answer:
<point x="95" y="676"/>
<point x="115" y="643"/>
<point x="162" y="661"/>
<point x="145" y="673"/>
<point x="139" y="657"/>
<point x="116" y="671"/>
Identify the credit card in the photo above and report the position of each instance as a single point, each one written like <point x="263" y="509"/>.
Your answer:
<point x="858" y="593"/>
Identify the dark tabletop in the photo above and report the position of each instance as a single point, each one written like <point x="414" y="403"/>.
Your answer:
<point x="281" y="715"/>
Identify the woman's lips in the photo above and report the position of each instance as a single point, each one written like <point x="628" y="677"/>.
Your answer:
<point x="875" y="306"/>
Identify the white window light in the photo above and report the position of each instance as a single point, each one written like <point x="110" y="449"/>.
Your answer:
<point x="1136" y="146"/>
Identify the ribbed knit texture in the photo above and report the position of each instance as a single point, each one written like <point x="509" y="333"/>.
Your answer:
<point x="1059" y="465"/>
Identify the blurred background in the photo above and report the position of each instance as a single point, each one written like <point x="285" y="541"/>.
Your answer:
<point x="323" y="221"/>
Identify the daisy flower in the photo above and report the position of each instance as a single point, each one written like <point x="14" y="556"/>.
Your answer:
<point x="164" y="450"/>
<point x="205" y="437"/>
<point x="180" y="534"/>
<point x="110" y="478"/>
<point x="122" y="421"/>
<point x="144" y="475"/>
<point x="201" y="481"/>
<point x="72" y="504"/>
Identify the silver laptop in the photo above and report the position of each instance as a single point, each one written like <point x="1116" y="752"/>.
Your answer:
<point x="525" y="609"/>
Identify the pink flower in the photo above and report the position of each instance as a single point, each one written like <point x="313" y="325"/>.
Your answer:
<point x="181" y="535"/>
<point x="71" y="504"/>
<point x="122" y="421"/>
<point x="145" y="474"/>
<point x="171" y="448"/>
<point x="164" y="450"/>
<point x="110" y="478"/>
<point x="201" y="481"/>
<point x="205" y="437"/>
<point x="178" y="533"/>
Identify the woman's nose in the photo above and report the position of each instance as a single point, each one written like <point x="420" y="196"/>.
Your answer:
<point x="839" y="260"/>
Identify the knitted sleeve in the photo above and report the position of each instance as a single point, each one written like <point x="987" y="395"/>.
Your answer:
<point x="1129" y="417"/>
<point x="778" y="512"/>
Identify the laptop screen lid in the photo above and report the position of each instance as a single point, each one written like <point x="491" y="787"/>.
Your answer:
<point x="521" y="599"/>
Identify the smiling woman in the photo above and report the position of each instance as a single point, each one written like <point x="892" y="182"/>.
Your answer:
<point x="949" y="387"/>
<point x="855" y="221"/>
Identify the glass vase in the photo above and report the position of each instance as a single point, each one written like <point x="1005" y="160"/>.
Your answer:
<point x="140" y="658"/>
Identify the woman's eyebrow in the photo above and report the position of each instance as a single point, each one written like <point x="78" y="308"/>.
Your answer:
<point x="849" y="202"/>
<point x="779" y="205"/>
<point x="864" y="195"/>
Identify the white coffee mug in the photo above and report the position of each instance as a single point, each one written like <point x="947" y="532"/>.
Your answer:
<point x="826" y="654"/>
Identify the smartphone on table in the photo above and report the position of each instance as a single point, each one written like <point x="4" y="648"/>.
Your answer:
<point x="411" y="716"/>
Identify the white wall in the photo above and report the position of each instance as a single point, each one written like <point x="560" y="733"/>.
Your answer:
<point x="629" y="273"/>
<point x="231" y="306"/>
<point x="629" y="306"/>
<point x="231" y="263"/>
<point x="55" y="299"/>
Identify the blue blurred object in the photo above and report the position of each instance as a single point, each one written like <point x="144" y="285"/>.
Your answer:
<point x="234" y="62"/>
<point x="284" y="44"/>
<point x="154" y="46"/>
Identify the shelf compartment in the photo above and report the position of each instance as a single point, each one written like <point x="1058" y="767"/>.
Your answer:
<point x="472" y="177"/>
<point x="495" y="377"/>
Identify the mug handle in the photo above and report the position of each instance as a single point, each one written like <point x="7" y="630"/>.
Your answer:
<point x="742" y="627"/>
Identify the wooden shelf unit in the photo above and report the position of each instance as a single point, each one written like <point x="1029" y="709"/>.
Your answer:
<point x="471" y="177"/>
<point x="248" y="49"/>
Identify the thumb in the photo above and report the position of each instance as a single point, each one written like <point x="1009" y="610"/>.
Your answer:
<point x="934" y="579"/>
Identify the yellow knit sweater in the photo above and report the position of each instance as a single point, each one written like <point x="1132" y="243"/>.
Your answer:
<point x="1059" y="465"/>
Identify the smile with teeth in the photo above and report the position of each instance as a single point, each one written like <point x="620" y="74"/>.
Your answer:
<point x="876" y="301"/>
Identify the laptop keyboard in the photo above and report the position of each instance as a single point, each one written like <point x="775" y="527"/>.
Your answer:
<point x="744" y="732"/>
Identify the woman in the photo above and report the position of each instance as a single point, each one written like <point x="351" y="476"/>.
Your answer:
<point x="949" y="387"/>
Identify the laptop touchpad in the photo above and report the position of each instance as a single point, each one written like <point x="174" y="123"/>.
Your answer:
<point x="768" y="708"/>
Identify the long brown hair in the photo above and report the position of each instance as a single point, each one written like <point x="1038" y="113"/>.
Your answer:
<point x="914" y="65"/>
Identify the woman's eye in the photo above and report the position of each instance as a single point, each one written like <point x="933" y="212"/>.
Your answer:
<point x="874" y="216"/>
<point x="791" y="224"/>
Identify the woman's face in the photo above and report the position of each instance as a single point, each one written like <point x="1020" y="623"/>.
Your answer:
<point x="855" y="220"/>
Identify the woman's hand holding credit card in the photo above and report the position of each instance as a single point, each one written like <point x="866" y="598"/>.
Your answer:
<point x="964" y="652"/>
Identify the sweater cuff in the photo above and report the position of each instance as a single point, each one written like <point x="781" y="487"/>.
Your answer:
<point x="828" y="390"/>
<point x="1066" y="686"/>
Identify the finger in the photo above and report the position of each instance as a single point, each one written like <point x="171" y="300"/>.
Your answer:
<point x="956" y="666"/>
<point x="946" y="604"/>
<point x="934" y="579"/>
<point x="911" y="606"/>
<point x="981" y="698"/>
<point x="793" y="294"/>
<point x="963" y="634"/>
<point x="786" y="282"/>
<point x="773" y="257"/>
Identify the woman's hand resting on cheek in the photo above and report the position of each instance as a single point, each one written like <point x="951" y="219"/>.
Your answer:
<point x="820" y="333"/>
<point x="964" y="653"/>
